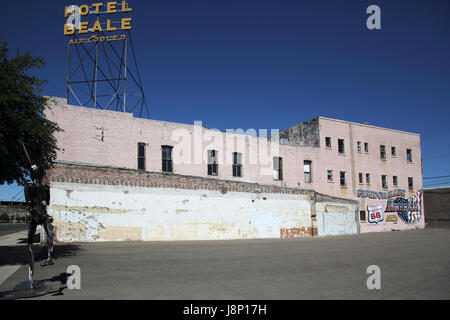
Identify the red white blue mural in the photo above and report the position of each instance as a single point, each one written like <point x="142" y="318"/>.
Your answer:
<point x="409" y="210"/>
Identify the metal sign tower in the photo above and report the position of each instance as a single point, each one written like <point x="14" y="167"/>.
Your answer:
<point x="102" y="71"/>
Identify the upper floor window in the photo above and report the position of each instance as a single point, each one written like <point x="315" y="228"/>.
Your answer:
<point x="330" y="175"/>
<point x="409" y="155"/>
<point x="393" y="151"/>
<point x="382" y="152"/>
<point x="410" y="184"/>
<point x="307" y="171"/>
<point x="277" y="168"/>
<point x="328" y="142"/>
<point x="167" y="159"/>
<point x="212" y="163"/>
<point x="361" y="178"/>
<point x="359" y="146"/>
<point x="395" y="181"/>
<point x="237" y="164"/>
<point x="343" y="178"/>
<point x="141" y="156"/>
<point x="366" y="147"/>
<point x="384" y="182"/>
<point x="341" y="146"/>
<point x="368" y="178"/>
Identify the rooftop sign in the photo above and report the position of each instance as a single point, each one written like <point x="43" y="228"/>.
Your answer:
<point x="74" y="13"/>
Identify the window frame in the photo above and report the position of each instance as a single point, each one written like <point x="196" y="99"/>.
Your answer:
<point x="341" y="150"/>
<point x="305" y="173"/>
<point x="141" y="157"/>
<point x="384" y="183"/>
<point x="345" y="178"/>
<point x="167" y="164"/>
<point x="237" y="165"/>
<point x="278" y="168"/>
<point x="382" y="152"/>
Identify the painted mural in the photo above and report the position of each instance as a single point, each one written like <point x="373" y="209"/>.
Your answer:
<point x="375" y="213"/>
<point x="380" y="195"/>
<point x="409" y="210"/>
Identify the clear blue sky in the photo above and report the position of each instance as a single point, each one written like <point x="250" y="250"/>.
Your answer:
<point x="273" y="63"/>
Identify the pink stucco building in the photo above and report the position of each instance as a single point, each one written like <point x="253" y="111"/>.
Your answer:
<point x="370" y="165"/>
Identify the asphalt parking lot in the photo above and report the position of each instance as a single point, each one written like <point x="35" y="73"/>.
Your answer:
<point x="414" y="265"/>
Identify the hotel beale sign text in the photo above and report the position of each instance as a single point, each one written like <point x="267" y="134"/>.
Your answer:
<point x="110" y="7"/>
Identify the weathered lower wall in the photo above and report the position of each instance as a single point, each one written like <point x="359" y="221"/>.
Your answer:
<point x="336" y="219"/>
<point x="89" y="212"/>
<point x="105" y="204"/>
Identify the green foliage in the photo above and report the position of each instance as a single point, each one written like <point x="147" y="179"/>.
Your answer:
<point x="21" y="118"/>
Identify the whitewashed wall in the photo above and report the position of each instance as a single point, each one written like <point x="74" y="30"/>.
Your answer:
<point x="334" y="218"/>
<point x="91" y="212"/>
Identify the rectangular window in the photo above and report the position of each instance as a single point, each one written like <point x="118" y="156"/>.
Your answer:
<point x="410" y="183"/>
<point x="366" y="147"/>
<point x="384" y="182"/>
<point x="330" y="175"/>
<point x="328" y="142"/>
<point x="277" y="168"/>
<point x="361" y="178"/>
<point x="393" y="151"/>
<point x="395" y="181"/>
<point x="362" y="215"/>
<point x="307" y="171"/>
<point x="141" y="156"/>
<point x="341" y="146"/>
<point x="167" y="159"/>
<point x="237" y="164"/>
<point x="359" y="146"/>
<point x="343" y="179"/>
<point x="383" y="152"/>
<point x="212" y="163"/>
<point x="368" y="178"/>
<point x="409" y="155"/>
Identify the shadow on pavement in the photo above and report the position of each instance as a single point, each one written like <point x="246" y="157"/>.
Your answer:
<point x="18" y="254"/>
<point x="54" y="286"/>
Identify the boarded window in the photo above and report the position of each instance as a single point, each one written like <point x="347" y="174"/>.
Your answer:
<point x="362" y="215"/>
<point x="277" y="168"/>
<point x="341" y="146"/>
<point x="167" y="159"/>
<point x="237" y="164"/>
<point x="307" y="171"/>
<point x="141" y="156"/>
<point x="212" y="163"/>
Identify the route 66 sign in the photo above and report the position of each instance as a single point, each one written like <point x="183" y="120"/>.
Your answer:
<point x="375" y="213"/>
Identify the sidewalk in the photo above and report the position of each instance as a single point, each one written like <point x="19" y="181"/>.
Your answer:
<point x="10" y="240"/>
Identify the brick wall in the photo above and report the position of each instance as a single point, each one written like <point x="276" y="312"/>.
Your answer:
<point x="74" y="173"/>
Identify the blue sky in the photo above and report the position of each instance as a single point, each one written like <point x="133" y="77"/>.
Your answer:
<point x="272" y="63"/>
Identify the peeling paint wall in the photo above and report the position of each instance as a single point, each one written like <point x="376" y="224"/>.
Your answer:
<point x="93" y="212"/>
<point x="335" y="218"/>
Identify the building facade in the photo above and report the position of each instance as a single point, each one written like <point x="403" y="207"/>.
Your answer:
<point x="329" y="177"/>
